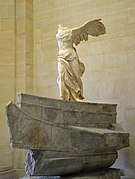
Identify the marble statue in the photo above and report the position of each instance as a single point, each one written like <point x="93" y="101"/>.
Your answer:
<point x="67" y="139"/>
<point x="70" y="68"/>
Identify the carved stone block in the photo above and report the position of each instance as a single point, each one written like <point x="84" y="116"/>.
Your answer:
<point x="100" y="174"/>
<point x="64" y="137"/>
<point x="39" y="163"/>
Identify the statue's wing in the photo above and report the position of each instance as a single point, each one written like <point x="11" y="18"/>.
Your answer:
<point x="93" y="28"/>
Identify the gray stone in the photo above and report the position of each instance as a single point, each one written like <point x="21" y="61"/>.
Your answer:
<point x="67" y="112"/>
<point x="30" y="133"/>
<point x="64" y="137"/>
<point x="51" y="124"/>
<point x="100" y="174"/>
<point x="38" y="163"/>
<point x="41" y="177"/>
<point x="26" y="132"/>
<point x="127" y="177"/>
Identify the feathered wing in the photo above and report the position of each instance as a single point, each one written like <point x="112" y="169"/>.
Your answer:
<point x="93" y="28"/>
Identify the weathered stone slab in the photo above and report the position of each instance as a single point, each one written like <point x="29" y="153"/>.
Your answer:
<point x="41" y="177"/>
<point x="64" y="137"/>
<point x="26" y="132"/>
<point x="54" y="111"/>
<point x="99" y="139"/>
<point x="30" y="133"/>
<point x="38" y="163"/>
<point x="100" y="174"/>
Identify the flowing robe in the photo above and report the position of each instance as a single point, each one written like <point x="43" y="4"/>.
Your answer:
<point x="70" y="69"/>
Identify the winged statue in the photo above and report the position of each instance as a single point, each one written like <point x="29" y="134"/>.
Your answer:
<point x="70" y="68"/>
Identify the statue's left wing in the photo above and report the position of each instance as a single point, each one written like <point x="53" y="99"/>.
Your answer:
<point x="93" y="28"/>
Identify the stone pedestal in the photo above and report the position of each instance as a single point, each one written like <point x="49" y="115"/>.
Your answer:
<point x="100" y="174"/>
<point x="66" y="137"/>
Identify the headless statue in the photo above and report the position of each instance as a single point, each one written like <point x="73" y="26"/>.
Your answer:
<point x="70" y="68"/>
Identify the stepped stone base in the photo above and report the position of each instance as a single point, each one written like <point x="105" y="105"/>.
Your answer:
<point x="130" y="177"/>
<point x="100" y="174"/>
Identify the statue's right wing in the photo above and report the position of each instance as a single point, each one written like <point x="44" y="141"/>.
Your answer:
<point x="93" y="28"/>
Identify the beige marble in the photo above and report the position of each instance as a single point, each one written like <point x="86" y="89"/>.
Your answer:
<point x="70" y="68"/>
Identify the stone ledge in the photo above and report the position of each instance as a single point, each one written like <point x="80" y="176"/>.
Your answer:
<point x="127" y="177"/>
<point x="100" y="174"/>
